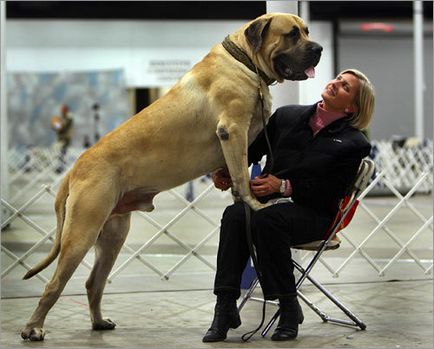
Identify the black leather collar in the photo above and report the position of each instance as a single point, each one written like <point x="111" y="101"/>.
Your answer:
<point x="242" y="57"/>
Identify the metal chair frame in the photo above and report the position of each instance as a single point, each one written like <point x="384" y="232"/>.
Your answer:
<point x="347" y="205"/>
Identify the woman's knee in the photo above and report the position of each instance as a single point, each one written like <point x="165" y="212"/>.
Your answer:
<point x="264" y="217"/>
<point x="233" y="225"/>
<point x="234" y="213"/>
<point x="268" y="226"/>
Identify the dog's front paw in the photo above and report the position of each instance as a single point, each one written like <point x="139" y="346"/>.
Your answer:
<point x="102" y="325"/>
<point x="33" y="334"/>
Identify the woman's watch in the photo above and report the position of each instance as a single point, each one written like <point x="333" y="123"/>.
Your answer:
<point x="282" y="187"/>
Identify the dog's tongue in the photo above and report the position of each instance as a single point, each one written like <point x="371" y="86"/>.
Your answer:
<point x="310" y="72"/>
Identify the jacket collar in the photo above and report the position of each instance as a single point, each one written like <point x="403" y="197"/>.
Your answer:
<point x="335" y="127"/>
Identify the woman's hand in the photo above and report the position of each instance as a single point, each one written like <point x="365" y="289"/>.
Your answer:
<point x="222" y="179"/>
<point x="265" y="185"/>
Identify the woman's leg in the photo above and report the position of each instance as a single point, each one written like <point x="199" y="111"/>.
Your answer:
<point x="275" y="230"/>
<point x="233" y="251"/>
<point x="232" y="257"/>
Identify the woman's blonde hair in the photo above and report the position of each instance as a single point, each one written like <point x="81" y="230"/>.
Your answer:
<point x="364" y="100"/>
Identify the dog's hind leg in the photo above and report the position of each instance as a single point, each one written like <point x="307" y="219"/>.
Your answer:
<point x="86" y="213"/>
<point x="107" y="249"/>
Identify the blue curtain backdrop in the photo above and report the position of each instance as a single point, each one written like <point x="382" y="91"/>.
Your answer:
<point x="33" y="98"/>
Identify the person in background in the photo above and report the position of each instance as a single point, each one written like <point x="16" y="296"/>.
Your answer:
<point x="63" y="126"/>
<point x="317" y="151"/>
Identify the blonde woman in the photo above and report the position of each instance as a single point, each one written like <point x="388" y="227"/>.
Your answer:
<point x="317" y="150"/>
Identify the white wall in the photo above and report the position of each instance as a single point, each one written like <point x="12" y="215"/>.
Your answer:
<point x="46" y="46"/>
<point x="289" y="91"/>
<point x="136" y="46"/>
<point x="389" y="64"/>
<point x="310" y="90"/>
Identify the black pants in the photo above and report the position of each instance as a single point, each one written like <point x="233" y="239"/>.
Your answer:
<point x="274" y="230"/>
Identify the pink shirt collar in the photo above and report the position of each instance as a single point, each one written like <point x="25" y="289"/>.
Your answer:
<point x="323" y="118"/>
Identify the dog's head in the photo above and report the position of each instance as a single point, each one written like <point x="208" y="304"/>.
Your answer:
<point x="279" y="43"/>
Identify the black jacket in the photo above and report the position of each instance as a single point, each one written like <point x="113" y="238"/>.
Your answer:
<point x="321" y="168"/>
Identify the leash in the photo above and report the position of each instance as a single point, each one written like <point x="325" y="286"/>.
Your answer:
<point x="242" y="57"/>
<point x="247" y="211"/>
<point x="264" y="124"/>
<point x="246" y="336"/>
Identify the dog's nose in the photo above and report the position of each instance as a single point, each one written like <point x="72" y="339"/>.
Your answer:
<point x="316" y="48"/>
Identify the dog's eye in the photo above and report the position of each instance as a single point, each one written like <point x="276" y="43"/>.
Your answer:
<point x="293" y="33"/>
<point x="306" y="30"/>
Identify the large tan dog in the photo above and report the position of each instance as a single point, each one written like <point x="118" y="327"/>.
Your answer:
<point x="205" y="122"/>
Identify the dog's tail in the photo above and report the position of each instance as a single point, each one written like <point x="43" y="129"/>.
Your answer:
<point x="61" y="197"/>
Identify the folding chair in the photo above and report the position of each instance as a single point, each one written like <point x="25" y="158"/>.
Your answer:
<point x="347" y="208"/>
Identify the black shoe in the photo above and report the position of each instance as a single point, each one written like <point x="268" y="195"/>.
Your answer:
<point x="291" y="315"/>
<point x="226" y="316"/>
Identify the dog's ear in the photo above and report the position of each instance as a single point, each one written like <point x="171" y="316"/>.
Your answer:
<point x="255" y="33"/>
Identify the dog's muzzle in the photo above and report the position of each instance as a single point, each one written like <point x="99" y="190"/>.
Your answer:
<point x="301" y="67"/>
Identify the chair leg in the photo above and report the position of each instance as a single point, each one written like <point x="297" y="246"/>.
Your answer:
<point x="356" y="322"/>
<point x="312" y="306"/>
<point x="270" y="323"/>
<point x="306" y="275"/>
<point x="248" y="294"/>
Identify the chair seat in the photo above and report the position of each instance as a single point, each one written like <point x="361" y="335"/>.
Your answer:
<point x="315" y="245"/>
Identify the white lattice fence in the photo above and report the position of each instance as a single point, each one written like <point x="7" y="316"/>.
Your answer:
<point x="34" y="181"/>
<point x="402" y="166"/>
<point x="402" y="242"/>
<point x="31" y="168"/>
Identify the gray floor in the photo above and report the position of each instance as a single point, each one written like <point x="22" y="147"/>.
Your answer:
<point x="397" y="315"/>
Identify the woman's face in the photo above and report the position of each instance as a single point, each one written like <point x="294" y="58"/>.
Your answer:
<point x="339" y="94"/>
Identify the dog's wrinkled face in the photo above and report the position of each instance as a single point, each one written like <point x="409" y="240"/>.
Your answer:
<point x="281" y="41"/>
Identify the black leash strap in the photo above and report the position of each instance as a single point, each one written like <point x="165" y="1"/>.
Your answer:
<point x="264" y="125"/>
<point x="247" y="210"/>
<point x="246" y="336"/>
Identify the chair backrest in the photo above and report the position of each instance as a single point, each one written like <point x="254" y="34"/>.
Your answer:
<point x="349" y="204"/>
<point x="347" y="208"/>
<point x="366" y="170"/>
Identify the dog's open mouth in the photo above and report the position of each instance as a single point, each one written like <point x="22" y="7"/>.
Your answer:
<point x="310" y="72"/>
<point x="287" y="69"/>
<point x="288" y="73"/>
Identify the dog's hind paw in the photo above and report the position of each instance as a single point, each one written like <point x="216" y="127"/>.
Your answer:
<point x="106" y="324"/>
<point x="33" y="334"/>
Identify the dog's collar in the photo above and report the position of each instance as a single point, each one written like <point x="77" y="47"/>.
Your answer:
<point x="242" y="57"/>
